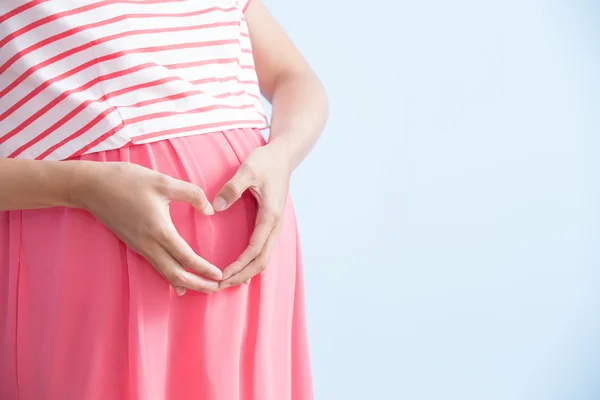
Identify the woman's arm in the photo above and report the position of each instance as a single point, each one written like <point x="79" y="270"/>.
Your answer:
<point x="299" y="114"/>
<point x="26" y="184"/>
<point x="287" y="81"/>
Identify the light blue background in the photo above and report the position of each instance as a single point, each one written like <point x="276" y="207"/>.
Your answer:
<point x="450" y="214"/>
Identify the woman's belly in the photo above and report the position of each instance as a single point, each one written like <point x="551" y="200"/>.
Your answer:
<point x="207" y="160"/>
<point x="86" y="317"/>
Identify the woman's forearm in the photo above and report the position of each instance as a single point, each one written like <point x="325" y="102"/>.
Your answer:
<point x="299" y="114"/>
<point x="28" y="184"/>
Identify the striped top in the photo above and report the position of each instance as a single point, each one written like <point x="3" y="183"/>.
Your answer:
<point x="82" y="76"/>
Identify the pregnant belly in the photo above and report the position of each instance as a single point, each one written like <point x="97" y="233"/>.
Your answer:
<point x="207" y="160"/>
<point x="59" y="241"/>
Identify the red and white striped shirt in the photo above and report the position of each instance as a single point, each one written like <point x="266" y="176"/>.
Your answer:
<point x="81" y="76"/>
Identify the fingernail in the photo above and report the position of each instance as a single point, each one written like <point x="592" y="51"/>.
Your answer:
<point x="247" y="282"/>
<point x="180" y="291"/>
<point x="208" y="209"/>
<point x="219" y="204"/>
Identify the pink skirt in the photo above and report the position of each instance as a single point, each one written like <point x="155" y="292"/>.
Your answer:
<point x="82" y="317"/>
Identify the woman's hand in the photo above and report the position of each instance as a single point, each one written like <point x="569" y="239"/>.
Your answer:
<point x="266" y="173"/>
<point x="133" y="202"/>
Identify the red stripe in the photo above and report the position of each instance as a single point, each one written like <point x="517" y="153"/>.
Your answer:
<point x="170" y="97"/>
<point x="255" y="96"/>
<point x="211" y="80"/>
<point x="247" y="67"/>
<point x="146" y="85"/>
<point x="20" y="9"/>
<point x="244" y="34"/>
<point x="164" y="114"/>
<point x="249" y="82"/>
<point x="80" y="132"/>
<point x="102" y="59"/>
<point x="175" y="131"/>
<point x="99" y="140"/>
<point x="73" y="31"/>
<point x="201" y="63"/>
<point x="67" y="93"/>
<point x="246" y="6"/>
<point x="182" y="95"/>
<point x="229" y="94"/>
<point x="74" y="11"/>
<point x="247" y="51"/>
<point x="93" y="43"/>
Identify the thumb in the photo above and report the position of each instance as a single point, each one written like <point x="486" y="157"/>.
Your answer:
<point x="190" y="193"/>
<point x="233" y="189"/>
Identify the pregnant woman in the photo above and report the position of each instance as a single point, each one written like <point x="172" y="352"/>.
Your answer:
<point x="148" y="248"/>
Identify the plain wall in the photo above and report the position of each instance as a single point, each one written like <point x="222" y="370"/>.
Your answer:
<point x="450" y="214"/>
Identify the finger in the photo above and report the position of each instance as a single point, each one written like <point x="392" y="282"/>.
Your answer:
<point x="177" y="276"/>
<point x="234" y="188"/>
<point x="257" y="265"/>
<point x="184" y="191"/>
<point x="178" y="248"/>
<point x="265" y="222"/>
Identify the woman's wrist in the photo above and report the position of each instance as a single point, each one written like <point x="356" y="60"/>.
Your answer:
<point x="76" y="177"/>
<point x="289" y="149"/>
<point x="29" y="184"/>
<point x="284" y="152"/>
<point x="62" y="182"/>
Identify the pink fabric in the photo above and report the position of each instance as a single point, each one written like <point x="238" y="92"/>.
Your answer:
<point x="84" y="318"/>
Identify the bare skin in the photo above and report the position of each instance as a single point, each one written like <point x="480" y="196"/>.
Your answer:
<point x="133" y="201"/>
